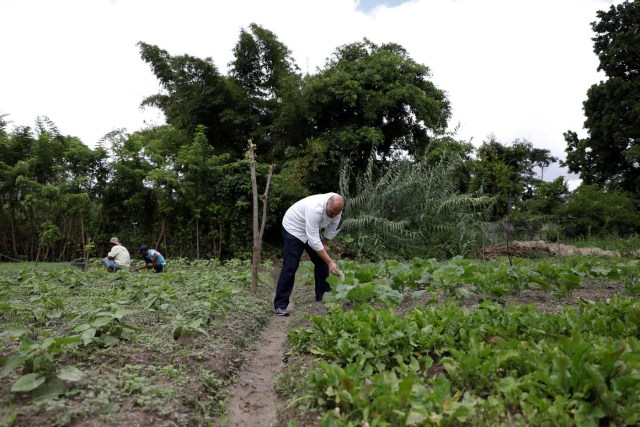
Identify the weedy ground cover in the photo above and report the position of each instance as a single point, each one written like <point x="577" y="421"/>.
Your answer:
<point x="126" y="348"/>
<point x="548" y="342"/>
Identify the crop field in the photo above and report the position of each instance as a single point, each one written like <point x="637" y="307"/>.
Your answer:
<point x="125" y="348"/>
<point x="548" y="342"/>
<point x="422" y="342"/>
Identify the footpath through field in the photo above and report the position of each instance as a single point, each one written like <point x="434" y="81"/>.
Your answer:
<point x="253" y="401"/>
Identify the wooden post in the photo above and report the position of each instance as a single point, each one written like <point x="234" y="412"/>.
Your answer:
<point x="258" y="232"/>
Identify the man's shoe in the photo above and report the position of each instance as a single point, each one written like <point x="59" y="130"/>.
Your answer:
<point x="280" y="311"/>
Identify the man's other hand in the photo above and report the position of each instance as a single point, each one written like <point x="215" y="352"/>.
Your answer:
<point x="333" y="269"/>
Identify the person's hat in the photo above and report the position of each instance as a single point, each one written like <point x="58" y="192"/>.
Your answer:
<point x="114" y="241"/>
<point x="143" y="248"/>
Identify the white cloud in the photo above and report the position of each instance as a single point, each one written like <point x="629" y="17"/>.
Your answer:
<point x="517" y="69"/>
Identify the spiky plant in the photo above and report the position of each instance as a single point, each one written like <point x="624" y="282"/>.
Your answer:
<point x="412" y="209"/>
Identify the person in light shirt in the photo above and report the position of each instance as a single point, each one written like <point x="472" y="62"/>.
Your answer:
<point x="118" y="258"/>
<point x="301" y="228"/>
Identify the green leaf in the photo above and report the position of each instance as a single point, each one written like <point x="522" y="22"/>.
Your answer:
<point x="120" y="313"/>
<point x="108" y="340"/>
<point x="417" y="294"/>
<point x="51" y="389"/>
<point x="38" y="313"/>
<point x="67" y="340"/>
<point x="101" y="321"/>
<point x="28" y="382"/>
<point x="600" y="271"/>
<point x="16" y="331"/>
<point x="88" y="335"/>
<point x="48" y="342"/>
<point x="54" y="314"/>
<point x="81" y="328"/>
<point x="11" y="364"/>
<point x="416" y="417"/>
<point x="333" y="280"/>
<point x="195" y="324"/>
<point x="70" y="373"/>
<point x="105" y="314"/>
<point x="362" y="293"/>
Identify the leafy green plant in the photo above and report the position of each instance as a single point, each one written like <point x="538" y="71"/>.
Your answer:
<point x="348" y="289"/>
<point x="41" y="371"/>
<point x="565" y="280"/>
<point x="105" y="326"/>
<point x="351" y="397"/>
<point x="630" y="273"/>
<point x="159" y="298"/>
<point x="185" y="330"/>
<point x="210" y="301"/>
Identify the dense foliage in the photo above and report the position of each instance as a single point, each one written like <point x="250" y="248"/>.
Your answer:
<point x="370" y="124"/>
<point x="610" y="156"/>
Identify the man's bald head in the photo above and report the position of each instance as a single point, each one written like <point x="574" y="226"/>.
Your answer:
<point x="335" y="205"/>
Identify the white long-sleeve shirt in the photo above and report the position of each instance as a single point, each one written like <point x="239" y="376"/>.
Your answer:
<point x="305" y="218"/>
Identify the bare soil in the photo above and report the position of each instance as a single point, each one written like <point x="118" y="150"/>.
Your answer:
<point x="540" y="247"/>
<point x="253" y="400"/>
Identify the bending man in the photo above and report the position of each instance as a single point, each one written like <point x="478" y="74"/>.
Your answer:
<point x="301" y="227"/>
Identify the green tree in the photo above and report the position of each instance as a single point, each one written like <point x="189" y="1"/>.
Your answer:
<point x="549" y="198"/>
<point x="162" y="146"/>
<point x="448" y="147"/>
<point x="195" y="93"/>
<point x="201" y="171"/>
<point x="371" y="98"/>
<point x="610" y="155"/>
<point x="507" y="171"/>
<point x="264" y="69"/>
<point x="45" y="187"/>
<point x="128" y="206"/>
<point x="591" y="210"/>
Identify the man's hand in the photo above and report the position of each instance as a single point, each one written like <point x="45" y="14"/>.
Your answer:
<point x="333" y="268"/>
<point x="150" y="265"/>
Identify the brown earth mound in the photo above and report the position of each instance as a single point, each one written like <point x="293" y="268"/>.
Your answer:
<point x="540" y="247"/>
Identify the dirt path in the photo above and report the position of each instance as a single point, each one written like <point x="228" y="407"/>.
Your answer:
<point x="253" y="401"/>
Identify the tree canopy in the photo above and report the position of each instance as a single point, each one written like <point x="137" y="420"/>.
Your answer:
<point x="370" y="122"/>
<point x="610" y="155"/>
<point x="374" y="98"/>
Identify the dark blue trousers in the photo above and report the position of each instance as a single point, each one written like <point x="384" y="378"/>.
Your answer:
<point x="293" y="248"/>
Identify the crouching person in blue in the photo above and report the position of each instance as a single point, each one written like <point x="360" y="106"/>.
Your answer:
<point x="153" y="259"/>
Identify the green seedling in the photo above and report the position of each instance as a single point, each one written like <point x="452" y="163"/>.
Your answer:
<point x="42" y="374"/>
<point x="105" y="326"/>
<point x="184" y="331"/>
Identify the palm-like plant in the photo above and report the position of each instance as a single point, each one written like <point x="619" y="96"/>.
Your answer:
<point x="412" y="208"/>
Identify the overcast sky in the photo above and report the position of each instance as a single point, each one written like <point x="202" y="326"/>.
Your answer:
<point x="511" y="68"/>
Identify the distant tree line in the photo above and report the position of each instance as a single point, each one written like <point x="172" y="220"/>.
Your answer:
<point x="369" y="123"/>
